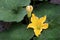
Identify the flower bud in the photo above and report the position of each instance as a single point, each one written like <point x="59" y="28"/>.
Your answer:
<point x="29" y="10"/>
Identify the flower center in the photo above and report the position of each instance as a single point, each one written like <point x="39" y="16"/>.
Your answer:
<point x="38" y="27"/>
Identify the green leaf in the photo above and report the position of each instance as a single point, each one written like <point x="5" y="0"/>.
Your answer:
<point x="53" y="18"/>
<point x="6" y="10"/>
<point x="12" y="4"/>
<point x="10" y="16"/>
<point x="17" y="32"/>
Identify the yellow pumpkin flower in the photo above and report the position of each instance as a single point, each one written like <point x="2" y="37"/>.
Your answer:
<point x="38" y="24"/>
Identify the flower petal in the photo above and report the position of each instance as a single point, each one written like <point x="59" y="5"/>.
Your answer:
<point x="34" y="18"/>
<point x="45" y="26"/>
<point x="37" y="32"/>
<point x="31" y="25"/>
<point x="42" y="19"/>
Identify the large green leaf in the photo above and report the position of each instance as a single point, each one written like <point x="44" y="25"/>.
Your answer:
<point x="17" y="32"/>
<point x="6" y="10"/>
<point x="12" y="4"/>
<point x="53" y="18"/>
<point x="10" y="16"/>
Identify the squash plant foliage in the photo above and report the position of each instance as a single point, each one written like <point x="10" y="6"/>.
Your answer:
<point x="12" y="10"/>
<point x="15" y="11"/>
